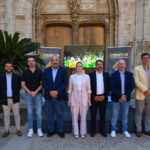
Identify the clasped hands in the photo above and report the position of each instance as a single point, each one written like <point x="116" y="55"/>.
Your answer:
<point x="53" y="94"/>
<point x="69" y="102"/>
<point x="123" y="98"/>
<point x="147" y="93"/>
<point x="33" y="93"/>
<point x="99" y="98"/>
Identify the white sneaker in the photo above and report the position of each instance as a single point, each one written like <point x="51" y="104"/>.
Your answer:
<point x="76" y="136"/>
<point x="30" y="133"/>
<point x="39" y="132"/>
<point x="82" y="136"/>
<point x="113" y="134"/>
<point x="126" y="134"/>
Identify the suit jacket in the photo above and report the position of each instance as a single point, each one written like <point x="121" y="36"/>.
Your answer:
<point x="59" y="85"/>
<point x="115" y="84"/>
<point x="16" y="86"/>
<point x="73" y="89"/>
<point x="141" y="82"/>
<point x="94" y="85"/>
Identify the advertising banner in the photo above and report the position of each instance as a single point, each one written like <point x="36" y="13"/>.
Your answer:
<point x="117" y="53"/>
<point x="47" y="52"/>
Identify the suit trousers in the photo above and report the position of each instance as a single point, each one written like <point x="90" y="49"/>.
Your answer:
<point x="54" y="108"/>
<point x="140" y="106"/>
<point x="75" y="110"/>
<point x="102" y="111"/>
<point x="15" y="109"/>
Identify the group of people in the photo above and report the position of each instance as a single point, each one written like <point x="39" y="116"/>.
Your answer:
<point x="84" y="91"/>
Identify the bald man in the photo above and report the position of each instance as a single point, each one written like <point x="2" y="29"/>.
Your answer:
<point x="122" y="84"/>
<point x="55" y="80"/>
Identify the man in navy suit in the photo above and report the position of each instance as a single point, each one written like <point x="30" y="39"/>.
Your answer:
<point x="55" y="81"/>
<point x="122" y="84"/>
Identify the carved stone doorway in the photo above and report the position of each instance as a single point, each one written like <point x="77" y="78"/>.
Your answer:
<point x="75" y="22"/>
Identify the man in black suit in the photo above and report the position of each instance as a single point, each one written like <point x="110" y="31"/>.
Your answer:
<point x="100" y="91"/>
<point x="10" y="85"/>
<point x="55" y="81"/>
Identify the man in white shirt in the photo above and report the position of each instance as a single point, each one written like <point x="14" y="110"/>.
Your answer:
<point x="10" y="85"/>
<point x="100" y="91"/>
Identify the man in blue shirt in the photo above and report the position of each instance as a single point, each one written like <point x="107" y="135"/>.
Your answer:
<point x="55" y="81"/>
<point x="122" y="84"/>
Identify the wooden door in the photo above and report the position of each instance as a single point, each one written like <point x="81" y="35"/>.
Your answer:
<point x="91" y="34"/>
<point x="58" y="36"/>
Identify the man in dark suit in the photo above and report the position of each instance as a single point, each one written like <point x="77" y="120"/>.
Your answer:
<point x="55" y="81"/>
<point x="122" y="84"/>
<point x="100" y="91"/>
<point x="10" y="85"/>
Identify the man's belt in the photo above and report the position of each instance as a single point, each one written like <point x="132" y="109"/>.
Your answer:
<point x="10" y="97"/>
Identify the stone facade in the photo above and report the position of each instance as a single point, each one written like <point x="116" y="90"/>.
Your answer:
<point x="126" y="22"/>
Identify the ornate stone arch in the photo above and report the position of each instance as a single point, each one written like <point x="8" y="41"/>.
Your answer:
<point x="112" y="24"/>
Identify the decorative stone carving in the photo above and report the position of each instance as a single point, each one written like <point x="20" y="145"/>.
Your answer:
<point x="143" y="46"/>
<point x="74" y="7"/>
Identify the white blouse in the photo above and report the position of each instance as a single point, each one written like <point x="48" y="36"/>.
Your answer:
<point x="79" y="79"/>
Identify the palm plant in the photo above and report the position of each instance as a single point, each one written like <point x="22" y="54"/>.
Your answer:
<point x="16" y="50"/>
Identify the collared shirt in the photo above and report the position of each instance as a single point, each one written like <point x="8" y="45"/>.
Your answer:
<point x="100" y="83"/>
<point x="79" y="78"/>
<point x="9" y="85"/>
<point x="32" y="79"/>
<point x="122" y="76"/>
<point x="54" y="73"/>
<point x="147" y="71"/>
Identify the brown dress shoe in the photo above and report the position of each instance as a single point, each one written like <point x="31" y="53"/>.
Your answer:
<point x="5" y="134"/>
<point x="19" y="133"/>
<point x="148" y="133"/>
<point x="138" y="134"/>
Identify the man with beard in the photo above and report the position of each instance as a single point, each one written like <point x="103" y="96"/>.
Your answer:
<point x="10" y="85"/>
<point x="55" y="81"/>
<point x="100" y="91"/>
<point x="32" y="84"/>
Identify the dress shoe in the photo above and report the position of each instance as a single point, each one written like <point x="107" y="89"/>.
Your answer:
<point x="61" y="134"/>
<point x="5" y="134"/>
<point x="92" y="133"/>
<point x="147" y="133"/>
<point x="49" y="134"/>
<point x="19" y="133"/>
<point x="104" y="134"/>
<point x="138" y="134"/>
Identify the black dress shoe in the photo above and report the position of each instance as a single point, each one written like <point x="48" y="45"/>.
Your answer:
<point x="92" y="134"/>
<point x="104" y="134"/>
<point x="49" y="134"/>
<point x="61" y="134"/>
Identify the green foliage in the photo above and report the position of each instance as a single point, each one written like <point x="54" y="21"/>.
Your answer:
<point x="16" y="50"/>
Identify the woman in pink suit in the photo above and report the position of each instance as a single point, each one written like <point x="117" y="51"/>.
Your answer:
<point x="79" y="95"/>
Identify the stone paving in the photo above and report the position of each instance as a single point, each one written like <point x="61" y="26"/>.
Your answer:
<point x="13" y="142"/>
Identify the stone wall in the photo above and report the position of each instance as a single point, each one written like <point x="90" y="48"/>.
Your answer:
<point x="2" y="14"/>
<point x="142" y="34"/>
<point x="16" y="15"/>
<point x="133" y="25"/>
